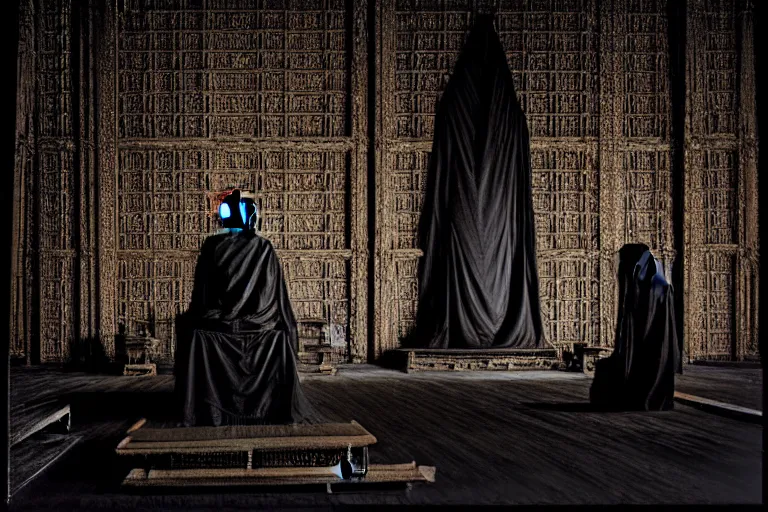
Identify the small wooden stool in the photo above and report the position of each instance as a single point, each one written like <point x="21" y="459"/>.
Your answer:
<point x="314" y="347"/>
<point x="139" y="350"/>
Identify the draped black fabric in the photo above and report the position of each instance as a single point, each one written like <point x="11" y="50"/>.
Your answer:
<point x="236" y="350"/>
<point x="640" y="373"/>
<point x="478" y="284"/>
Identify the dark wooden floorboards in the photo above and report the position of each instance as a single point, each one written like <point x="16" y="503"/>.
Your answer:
<point x="495" y="438"/>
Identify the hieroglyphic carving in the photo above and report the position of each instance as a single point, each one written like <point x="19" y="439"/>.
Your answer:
<point x="551" y="50"/>
<point x="199" y="95"/>
<point x="233" y="69"/>
<point x="721" y="182"/>
<point x="644" y="140"/>
<point x="164" y="216"/>
<point x="635" y="150"/>
<point x="217" y="94"/>
<point x="565" y="199"/>
<point x="20" y="334"/>
<point x="57" y="217"/>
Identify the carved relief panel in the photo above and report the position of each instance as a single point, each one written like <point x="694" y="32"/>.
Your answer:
<point x="217" y="94"/>
<point x="145" y="109"/>
<point x="721" y="259"/>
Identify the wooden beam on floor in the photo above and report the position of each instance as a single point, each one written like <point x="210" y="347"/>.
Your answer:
<point x="722" y="408"/>
<point x="27" y="421"/>
<point x="291" y="476"/>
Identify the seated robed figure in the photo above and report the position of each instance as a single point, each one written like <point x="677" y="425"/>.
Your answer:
<point x="640" y="373"/>
<point x="237" y="343"/>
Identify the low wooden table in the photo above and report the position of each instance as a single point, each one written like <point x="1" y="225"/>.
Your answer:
<point x="324" y="454"/>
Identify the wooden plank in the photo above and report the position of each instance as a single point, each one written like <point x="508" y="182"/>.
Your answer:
<point x="382" y="473"/>
<point x="230" y="445"/>
<point x="735" y="411"/>
<point x="350" y="429"/>
<point x="137" y="425"/>
<point x="39" y="417"/>
<point x="31" y="460"/>
<point x="145" y="441"/>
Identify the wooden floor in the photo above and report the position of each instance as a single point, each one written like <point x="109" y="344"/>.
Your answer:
<point x="495" y="438"/>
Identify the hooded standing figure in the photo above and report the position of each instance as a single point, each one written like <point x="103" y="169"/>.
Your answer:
<point x="236" y="346"/>
<point x="478" y="284"/>
<point x="640" y="373"/>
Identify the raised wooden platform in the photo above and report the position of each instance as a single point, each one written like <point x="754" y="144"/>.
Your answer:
<point x="148" y="441"/>
<point x="269" y="455"/>
<point x="286" y="476"/>
<point x="501" y="359"/>
<point x="148" y="370"/>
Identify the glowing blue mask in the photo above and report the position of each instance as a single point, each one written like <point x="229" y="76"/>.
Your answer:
<point x="242" y="213"/>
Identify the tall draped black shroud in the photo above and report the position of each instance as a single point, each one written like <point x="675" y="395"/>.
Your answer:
<point x="640" y="373"/>
<point x="237" y="344"/>
<point x="478" y="283"/>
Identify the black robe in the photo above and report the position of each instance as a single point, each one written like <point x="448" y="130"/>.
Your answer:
<point x="478" y="283"/>
<point x="237" y="343"/>
<point x="640" y="373"/>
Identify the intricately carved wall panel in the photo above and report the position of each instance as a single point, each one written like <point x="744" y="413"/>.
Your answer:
<point x="21" y="303"/>
<point x="233" y="69"/>
<point x="56" y="217"/>
<point x="135" y="113"/>
<point x="721" y="182"/>
<point x="645" y="119"/>
<point x="565" y="201"/>
<point x="219" y="94"/>
<point x="165" y="212"/>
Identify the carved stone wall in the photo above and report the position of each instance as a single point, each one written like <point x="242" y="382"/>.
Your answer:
<point x="133" y="114"/>
<point x="22" y="285"/>
<point x="55" y="183"/>
<point x="721" y="228"/>
<point x="265" y="96"/>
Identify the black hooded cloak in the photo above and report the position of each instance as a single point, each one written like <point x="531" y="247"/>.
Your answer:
<point x="640" y="373"/>
<point x="478" y="283"/>
<point x="237" y="344"/>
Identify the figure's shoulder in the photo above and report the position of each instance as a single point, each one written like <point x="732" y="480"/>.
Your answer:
<point x="266" y="244"/>
<point x="258" y="241"/>
<point x="211" y="241"/>
<point x="659" y="279"/>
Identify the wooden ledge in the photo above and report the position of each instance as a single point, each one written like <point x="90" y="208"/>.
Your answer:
<point x="191" y="440"/>
<point x="723" y="408"/>
<point x="377" y="474"/>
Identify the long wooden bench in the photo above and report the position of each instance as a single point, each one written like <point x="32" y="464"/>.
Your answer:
<point x="329" y="453"/>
